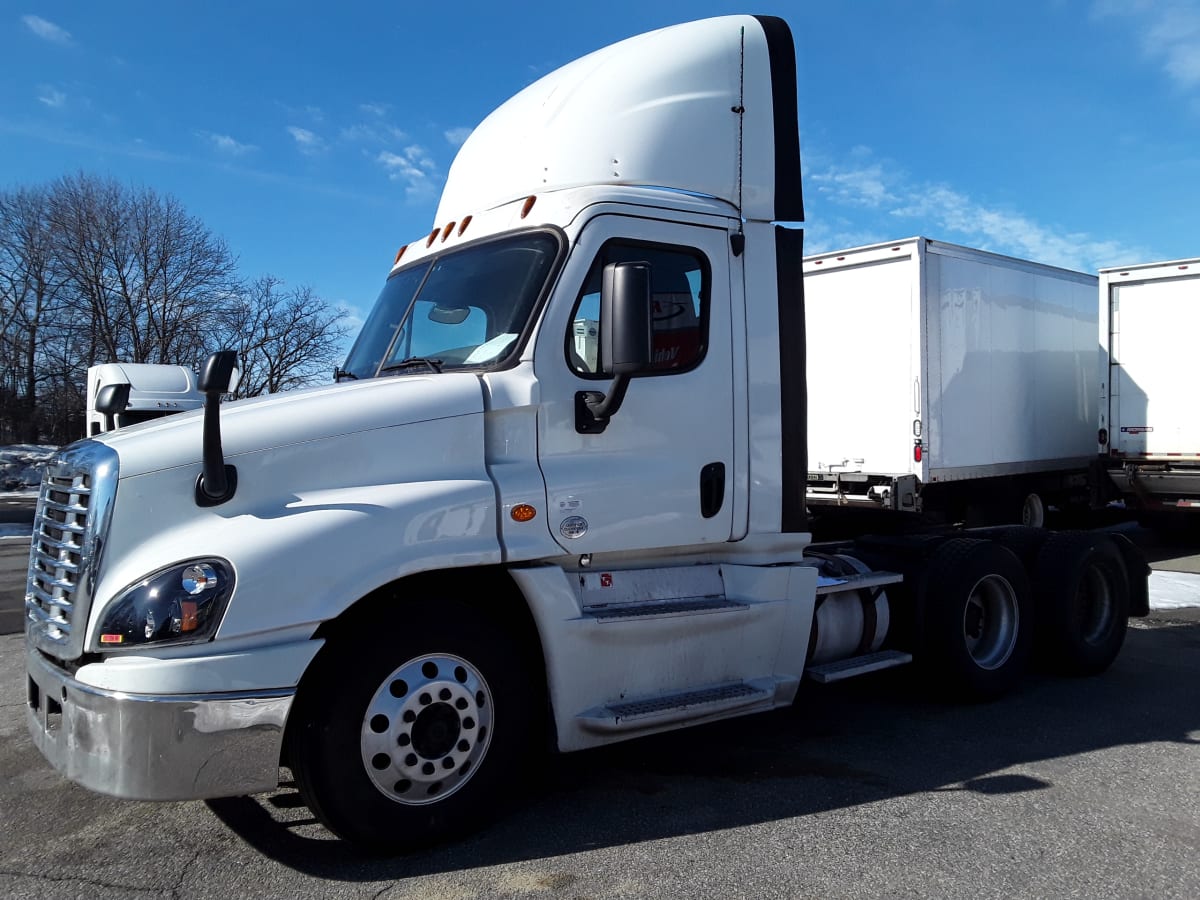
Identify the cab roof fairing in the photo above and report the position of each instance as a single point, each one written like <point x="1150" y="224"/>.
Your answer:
<point x="658" y="109"/>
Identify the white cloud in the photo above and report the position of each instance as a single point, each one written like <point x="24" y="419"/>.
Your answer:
<point x="52" y="97"/>
<point x="373" y="133"/>
<point x="857" y="187"/>
<point x="412" y="168"/>
<point x="1168" y="32"/>
<point x="309" y="142"/>
<point x="47" y="31"/>
<point x="379" y="110"/>
<point x="940" y="211"/>
<point x="458" y="136"/>
<point x="227" y="144"/>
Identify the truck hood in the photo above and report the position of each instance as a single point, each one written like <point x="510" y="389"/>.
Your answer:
<point x="297" y="417"/>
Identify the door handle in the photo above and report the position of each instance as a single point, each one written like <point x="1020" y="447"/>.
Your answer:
<point x="712" y="489"/>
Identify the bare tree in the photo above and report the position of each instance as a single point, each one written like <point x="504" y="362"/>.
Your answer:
<point x="284" y="338"/>
<point x="150" y="275"/>
<point x="30" y="285"/>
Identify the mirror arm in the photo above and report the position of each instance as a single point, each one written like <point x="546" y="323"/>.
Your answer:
<point x="593" y="410"/>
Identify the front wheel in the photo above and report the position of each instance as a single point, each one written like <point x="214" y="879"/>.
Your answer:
<point x="407" y="735"/>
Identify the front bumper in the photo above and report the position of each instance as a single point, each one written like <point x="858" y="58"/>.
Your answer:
<point x="155" y="746"/>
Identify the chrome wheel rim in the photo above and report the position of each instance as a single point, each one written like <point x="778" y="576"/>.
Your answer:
<point x="427" y="729"/>
<point x="991" y="619"/>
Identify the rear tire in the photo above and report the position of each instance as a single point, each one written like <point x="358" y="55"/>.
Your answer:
<point x="977" y="619"/>
<point x="1083" y="602"/>
<point x="404" y="736"/>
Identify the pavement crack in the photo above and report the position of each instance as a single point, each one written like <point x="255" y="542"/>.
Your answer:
<point x="177" y="890"/>
<point x="75" y="879"/>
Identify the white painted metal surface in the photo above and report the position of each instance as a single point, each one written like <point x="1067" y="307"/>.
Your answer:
<point x="996" y="358"/>
<point x="1150" y="316"/>
<point x="655" y="109"/>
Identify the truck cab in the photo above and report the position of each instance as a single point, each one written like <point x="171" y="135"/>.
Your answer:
<point x="153" y="391"/>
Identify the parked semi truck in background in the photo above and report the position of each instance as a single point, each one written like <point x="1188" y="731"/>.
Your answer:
<point x="1149" y="430"/>
<point x="949" y="381"/>
<point x="556" y="500"/>
<point x="123" y="394"/>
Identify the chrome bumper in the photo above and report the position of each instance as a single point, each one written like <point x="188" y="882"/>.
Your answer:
<point x="155" y="747"/>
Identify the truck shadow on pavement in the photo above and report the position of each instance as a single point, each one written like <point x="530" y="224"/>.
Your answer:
<point x="840" y="746"/>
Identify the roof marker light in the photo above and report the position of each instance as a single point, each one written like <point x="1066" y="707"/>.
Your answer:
<point x="529" y="201"/>
<point x="446" y="231"/>
<point x="399" y="253"/>
<point x="463" y="225"/>
<point x="432" y="237"/>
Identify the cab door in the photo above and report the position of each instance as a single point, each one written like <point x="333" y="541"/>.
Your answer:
<point x="661" y="473"/>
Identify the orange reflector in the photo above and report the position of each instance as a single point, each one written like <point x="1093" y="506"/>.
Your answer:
<point x="446" y="231"/>
<point x="112" y="638"/>
<point x="529" y="201"/>
<point x="399" y="253"/>
<point x="523" y="512"/>
<point x="189" y="620"/>
<point x="463" y="226"/>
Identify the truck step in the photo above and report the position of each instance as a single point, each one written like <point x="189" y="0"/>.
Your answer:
<point x="857" y="665"/>
<point x="678" y="606"/>
<point x="840" y="583"/>
<point x="635" y="715"/>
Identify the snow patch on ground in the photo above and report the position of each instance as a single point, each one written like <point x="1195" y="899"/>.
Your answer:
<point x="21" y="468"/>
<point x="1174" y="590"/>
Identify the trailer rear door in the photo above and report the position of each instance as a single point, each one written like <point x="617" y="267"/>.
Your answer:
<point x="1153" y="349"/>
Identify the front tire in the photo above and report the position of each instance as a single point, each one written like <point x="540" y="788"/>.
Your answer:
<point x="407" y="734"/>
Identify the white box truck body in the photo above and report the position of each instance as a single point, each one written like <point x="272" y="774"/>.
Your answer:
<point x="498" y="532"/>
<point x="944" y="379"/>
<point x="154" y="391"/>
<point x="1149" y="416"/>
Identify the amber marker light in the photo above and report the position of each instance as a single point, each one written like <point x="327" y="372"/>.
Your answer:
<point x="399" y="253"/>
<point x="112" y="638"/>
<point x="463" y="227"/>
<point x="529" y="201"/>
<point x="433" y="235"/>
<point x="523" y="512"/>
<point x="447" y="230"/>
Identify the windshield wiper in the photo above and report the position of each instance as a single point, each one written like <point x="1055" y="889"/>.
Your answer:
<point x="434" y="365"/>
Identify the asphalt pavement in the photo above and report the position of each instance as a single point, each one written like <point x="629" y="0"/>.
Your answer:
<point x="1067" y="788"/>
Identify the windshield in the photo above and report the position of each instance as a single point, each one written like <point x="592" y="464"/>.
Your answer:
<point x="463" y="309"/>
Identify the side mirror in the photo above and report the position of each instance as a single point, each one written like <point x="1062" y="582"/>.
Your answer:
<point x="625" y="341"/>
<point x="220" y="374"/>
<point x="111" y="401"/>
<point x="217" y="481"/>
<point x="625" y="319"/>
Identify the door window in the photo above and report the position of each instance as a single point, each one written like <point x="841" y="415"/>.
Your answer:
<point x="679" y="292"/>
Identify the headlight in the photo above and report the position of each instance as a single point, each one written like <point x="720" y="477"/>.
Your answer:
<point x="181" y="604"/>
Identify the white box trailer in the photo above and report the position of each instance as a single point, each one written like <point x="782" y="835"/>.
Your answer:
<point x="949" y="381"/>
<point x="1149" y="424"/>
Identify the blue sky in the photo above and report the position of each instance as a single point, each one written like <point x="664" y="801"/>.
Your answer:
<point x="315" y="139"/>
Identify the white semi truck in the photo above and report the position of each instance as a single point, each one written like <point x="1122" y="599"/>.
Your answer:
<point x="123" y="394"/>
<point x="499" y="533"/>
<point x="949" y="381"/>
<point x="1149" y="431"/>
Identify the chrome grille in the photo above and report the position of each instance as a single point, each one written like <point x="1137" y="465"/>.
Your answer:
<point x="68" y="536"/>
